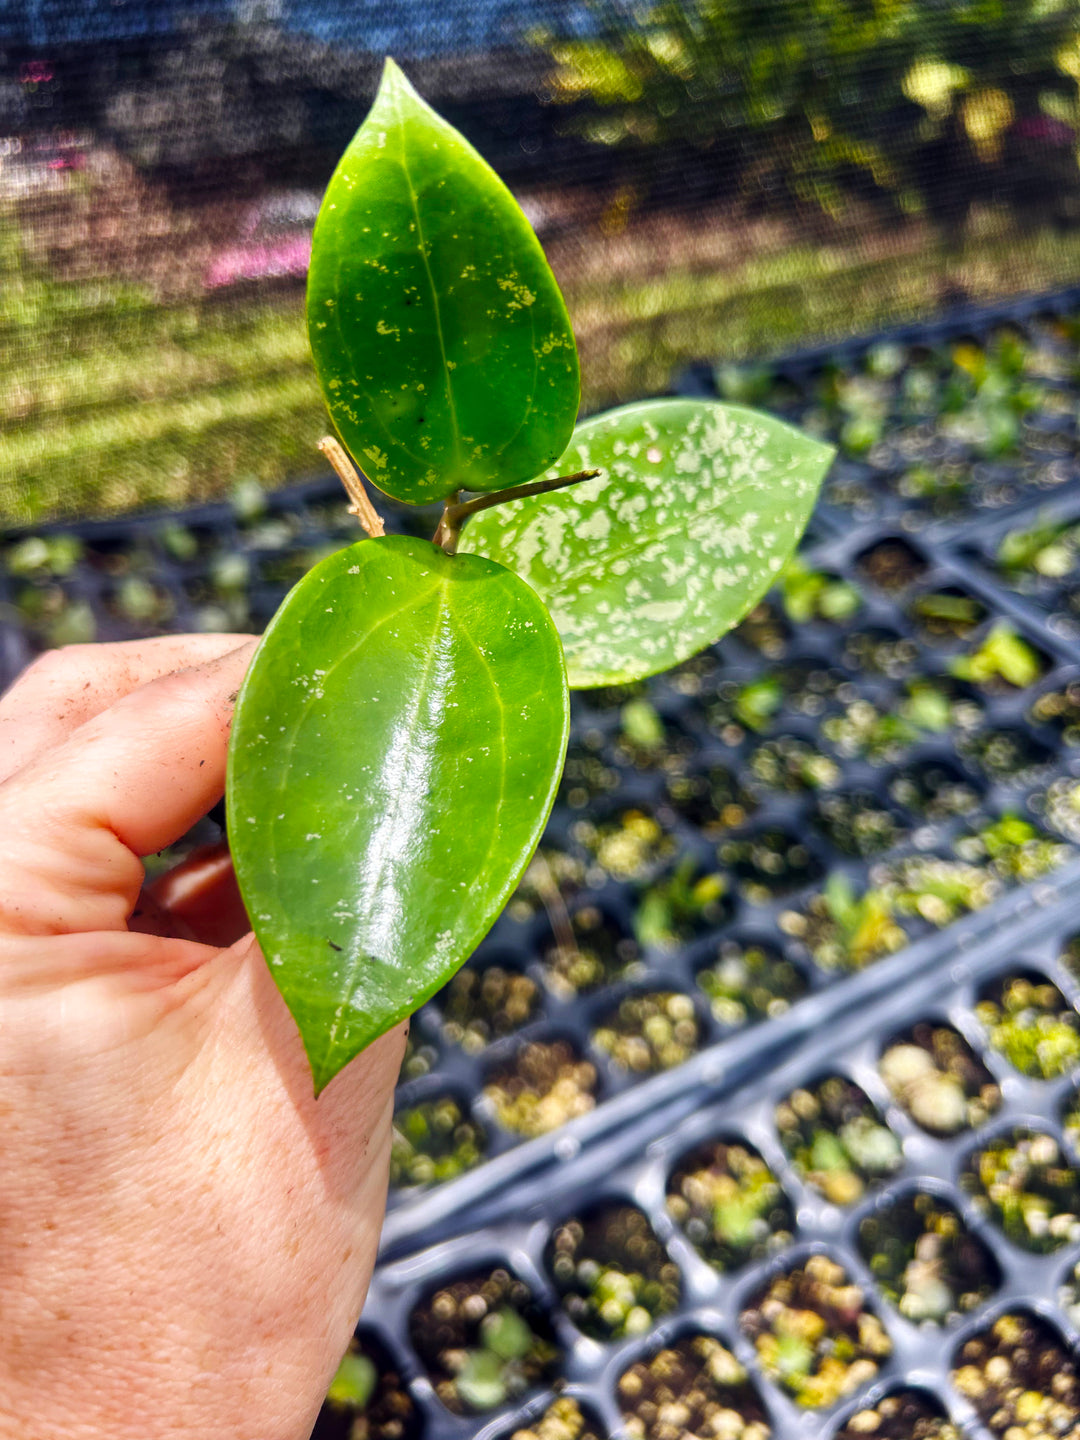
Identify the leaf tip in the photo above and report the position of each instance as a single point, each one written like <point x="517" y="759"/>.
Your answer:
<point x="394" y="79"/>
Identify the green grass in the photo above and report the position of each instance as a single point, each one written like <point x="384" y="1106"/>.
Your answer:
<point x="109" y="401"/>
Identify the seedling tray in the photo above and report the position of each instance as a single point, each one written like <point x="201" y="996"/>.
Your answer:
<point x="993" y="1270"/>
<point x="789" y="849"/>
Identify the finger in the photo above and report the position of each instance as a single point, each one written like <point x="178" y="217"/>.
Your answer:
<point x="130" y="781"/>
<point x="200" y="899"/>
<point x="64" y="688"/>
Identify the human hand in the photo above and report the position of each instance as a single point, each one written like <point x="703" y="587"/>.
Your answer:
<point x="186" y="1235"/>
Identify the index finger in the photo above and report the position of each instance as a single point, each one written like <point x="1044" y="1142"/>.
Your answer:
<point x="65" y="688"/>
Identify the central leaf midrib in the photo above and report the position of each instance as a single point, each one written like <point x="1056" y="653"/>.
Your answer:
<point x="420" y="696"/>
<point x="432" y="287"/>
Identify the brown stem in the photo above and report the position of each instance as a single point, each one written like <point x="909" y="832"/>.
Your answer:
<point x="457" y="512"/>
<point x="353" y="480"/>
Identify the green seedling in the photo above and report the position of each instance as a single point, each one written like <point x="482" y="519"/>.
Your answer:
<point x="1002" y="655"/>
<point x="399" y="737"/>
<point x="1046" y="550"/>
<point x="757" y="702"/>
<point x="355" y="1381"/>
<point x="810" y="595"/>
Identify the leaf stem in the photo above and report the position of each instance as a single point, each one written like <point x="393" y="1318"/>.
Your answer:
<point x="456" y="512"/>
<point x="353" y="480"/>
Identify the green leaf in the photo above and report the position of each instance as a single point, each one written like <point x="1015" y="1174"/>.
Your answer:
<point x="394" y="756"/>
<point x="696" y="509"/>
<point x="440" y="338"/>
<point x="355" y="1381"/>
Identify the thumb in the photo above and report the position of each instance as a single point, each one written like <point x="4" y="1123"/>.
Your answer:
<point x="127" y="783"/>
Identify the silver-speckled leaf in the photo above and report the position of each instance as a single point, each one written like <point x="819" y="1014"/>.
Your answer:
<point x="697" y="507"/>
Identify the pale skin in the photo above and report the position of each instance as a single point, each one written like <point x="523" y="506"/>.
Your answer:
<point x="186" y="1234"/>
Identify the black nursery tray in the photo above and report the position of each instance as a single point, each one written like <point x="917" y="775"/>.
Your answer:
<point x="883" y="813"/>
<point x="839" y="827"/>
<point x="886" y="1224"/>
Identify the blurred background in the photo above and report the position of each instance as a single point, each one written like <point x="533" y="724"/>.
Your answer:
<point x="715" y="179"/>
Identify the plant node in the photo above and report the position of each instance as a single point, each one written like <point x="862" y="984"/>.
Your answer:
<point x="456" y="512"/>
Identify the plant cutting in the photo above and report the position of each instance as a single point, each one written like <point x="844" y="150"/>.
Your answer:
<point x="399" y="738"/>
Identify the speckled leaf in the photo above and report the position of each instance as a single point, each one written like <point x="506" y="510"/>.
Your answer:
<point x="394" y="756"/>
<point x="440" y="338"/>
<point x="696" y="509"/>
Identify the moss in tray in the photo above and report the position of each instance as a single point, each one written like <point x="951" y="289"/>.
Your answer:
<point x="857" y="823"/>
<point x="484" y="1341"/>
<point x="749" y="982"/>
<point x="901" y="1415"/>
<point x="1028" y="1188"/>
<point x="1070" y="957"/>
<point x="711" y="800"/>
<point x="808" y="685"/>
<point x="792" y="765"/>
<point x="419" y="1058"/>
<point x="694" y="1386"/>
<point x="765" y="630"/>
<point x="891" y="566"/>
<point x="1070" y="1119"/>
<point x="729" y="1204"/>
<point x="688" y="902"/>
<point x="1011" y="756"/>
<point x="814" y="1335"/>
<point x="590" y="948"/>
<point x="880" y="652"/>
<point x="649" y="1031"/>
<point x="1021" y="1379"/>
<point x="631" y="845"/>
<point x="925" y="1260"/>
<point x="480" y="1005"/>
<point x="1061" y="710"/>
<point x="836" y="1139"/>
<point x="1059" y="806"/>
<point x="769" y="862"/>
<point x="587" y="776"/>
<point x="563" y="1419"/>
<point x="1068" y="1295"/>
<point x="434" y="1141"/>
<point x="936" y="888"/>
<point x="546" y="1084"/>
<point x="645" y="741"/>
<point x="942" y="617"/>
<point x="367" y="1399"/>
<point x="934" y="1074"/>
<point x="1013" y="849"/>
<point x="613" y="1274"/>
<point x="933" y="790"/>
<point x="1031" y="1023"/>
<point x="845" y="931"/>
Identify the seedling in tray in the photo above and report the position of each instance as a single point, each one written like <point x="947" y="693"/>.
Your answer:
<point x="484" y="1341"/>
<point x="814" y="1334"/>
<point x="694" y="1386"/>
<point x="613" y="1274"/>
<point x="367" y="1399"/>
<point x="399" y="738"/>
<point x="730" y="1204"/>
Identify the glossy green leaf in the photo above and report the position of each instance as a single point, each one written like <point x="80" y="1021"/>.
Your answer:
<point x="394" y="756"/>
<point x="440" y="338"/>
<point x="697" y="507"/>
